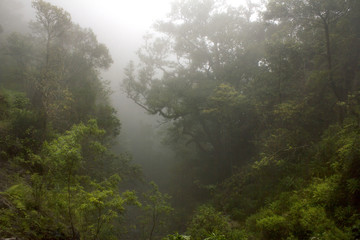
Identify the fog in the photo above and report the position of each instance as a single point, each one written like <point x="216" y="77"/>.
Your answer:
<point x="121" y="25"/>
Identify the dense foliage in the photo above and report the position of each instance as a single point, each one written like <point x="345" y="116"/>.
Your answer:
<point x="262" y="104"/>
<point x="58" y="177"/>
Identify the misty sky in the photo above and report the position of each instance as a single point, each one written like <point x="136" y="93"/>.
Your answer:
<point x="120" y="24"/>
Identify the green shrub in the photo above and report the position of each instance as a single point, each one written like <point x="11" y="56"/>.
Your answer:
<point x="207" y="221"/>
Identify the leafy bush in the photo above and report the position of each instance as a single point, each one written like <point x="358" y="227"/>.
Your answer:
<point x="176" y="236"/>
<point x="207" y="221"/>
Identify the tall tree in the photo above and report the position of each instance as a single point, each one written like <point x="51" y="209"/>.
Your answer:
<point x="199" y="47"/>
<point x="317" y="15"/>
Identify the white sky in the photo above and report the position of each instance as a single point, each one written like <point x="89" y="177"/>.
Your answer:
<point x="119" y="24"/>
<point x="133" y="14"/>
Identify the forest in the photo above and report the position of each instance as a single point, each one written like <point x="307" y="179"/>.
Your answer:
<point x="259" y="105"/>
